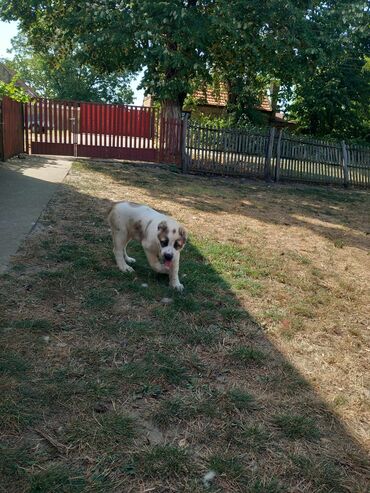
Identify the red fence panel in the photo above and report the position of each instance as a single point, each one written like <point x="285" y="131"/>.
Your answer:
<point x="11" y="131"/>
<point x="114" y="120"/>
<point x="103" y="131"/>
<point x="51" y="126"/>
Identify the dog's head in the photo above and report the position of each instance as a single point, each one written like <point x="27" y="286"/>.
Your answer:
<point x="171" y="239"/>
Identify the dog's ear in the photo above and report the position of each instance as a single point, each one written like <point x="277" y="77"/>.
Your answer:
<point x="162" y="227"/>
<point x="183" y="236"/>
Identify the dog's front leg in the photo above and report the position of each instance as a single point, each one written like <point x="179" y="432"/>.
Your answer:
<point x="174" y="274"/>
<point x="155" y="263"/>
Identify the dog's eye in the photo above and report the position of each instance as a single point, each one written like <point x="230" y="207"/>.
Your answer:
<point x="177" y="245"/>
<point x="164" y="243"/>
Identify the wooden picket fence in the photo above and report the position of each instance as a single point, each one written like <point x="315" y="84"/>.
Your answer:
<point x="272" y="155"/>
<point x="11" y="128"/>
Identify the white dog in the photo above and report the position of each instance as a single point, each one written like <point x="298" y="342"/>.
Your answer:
<point x="161" y="237"/>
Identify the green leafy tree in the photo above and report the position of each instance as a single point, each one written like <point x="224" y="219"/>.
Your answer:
<point x="334" y="101"/>
<point x="332" y="97"/>
<point x="281" y="46"/>
<point x="64" y="77"/>
<point x="178" y="43"/>
<point x="11" y="90"/>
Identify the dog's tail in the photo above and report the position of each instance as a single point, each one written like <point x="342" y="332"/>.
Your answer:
<point x="111" y="205"/>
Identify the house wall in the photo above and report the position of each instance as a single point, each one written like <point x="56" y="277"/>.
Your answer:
<point x="5" y="76"/>
<point x="209" y="110"/>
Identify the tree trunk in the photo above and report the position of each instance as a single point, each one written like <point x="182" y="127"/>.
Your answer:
<point x="170" y="131"/>
<point x="171" y="109"/>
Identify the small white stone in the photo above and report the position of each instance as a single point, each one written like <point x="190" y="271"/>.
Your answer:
<point x="144" y="285"/>
<point x="166" y="301"/>
<point x="46" y="338"/>
<point x="208" y="478"/>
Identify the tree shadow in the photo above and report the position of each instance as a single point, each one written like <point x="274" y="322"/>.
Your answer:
<point x="324" y="210"/>
<point x="242" y="408"/>
<point x="32" y="161"/>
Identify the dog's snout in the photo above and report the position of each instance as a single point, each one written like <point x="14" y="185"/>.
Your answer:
<point x="168" y="256"/>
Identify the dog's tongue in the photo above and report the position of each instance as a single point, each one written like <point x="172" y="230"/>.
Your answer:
<point x="167" y="263"/>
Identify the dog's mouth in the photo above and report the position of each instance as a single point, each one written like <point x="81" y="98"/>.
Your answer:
<point x="167" y="263"/>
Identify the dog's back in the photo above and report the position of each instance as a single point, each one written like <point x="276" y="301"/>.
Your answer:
<point x="123" y="213"/>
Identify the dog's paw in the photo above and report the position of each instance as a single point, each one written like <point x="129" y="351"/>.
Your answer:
<point x="179" y="287"/>
<point x="127" y="268"/>
<point x="130" y="260"/>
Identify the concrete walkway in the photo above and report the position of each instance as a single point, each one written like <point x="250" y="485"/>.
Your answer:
<point x="26" y="186"/>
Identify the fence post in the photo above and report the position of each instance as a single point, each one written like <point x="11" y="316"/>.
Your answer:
<point x="184" y="156"/>
<point x="267" y="169"/>
<point x="25" y="129"/>
<point x="278" y="155"/>
<point x="345" y="164"/>
<point x="2" y="156"/>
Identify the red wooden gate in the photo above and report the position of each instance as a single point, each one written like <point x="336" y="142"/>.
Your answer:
<point x="50" y="127"/>
<point x="101" y="130"/>
<point x="11" y="128"/>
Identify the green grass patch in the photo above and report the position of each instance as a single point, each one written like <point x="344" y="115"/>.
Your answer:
<point x="12" y="363"/>
<point x="227" y="466"/>
<point x="204" y="402"/>
<point x="13" y="462"/>
<point x="246" y="436"/>
<point x="295" y="426"/>
<point x="108" y="431"/>
<point x="57" y="478"/>
<point x="16" y="414"/>
<point x="247" y="356"/>
<point x="324" y="476"/>
<point x="32" y="324"/>
<point x="163" y="462"/>
<point x="173" y="410"/>
<point x="266" y="486"/>
<point x="155" y="368"/>
<point x="67" y="252"/>
<point x="241" y="400"/>
<point x="100" y="298"/>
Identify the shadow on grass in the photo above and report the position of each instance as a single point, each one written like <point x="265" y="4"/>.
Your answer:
<point x="106" y="388"/>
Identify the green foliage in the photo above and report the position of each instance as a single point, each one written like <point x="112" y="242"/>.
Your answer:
<point x="213" y="121"/>
<point x="333" y="101"/>
<point x="63" y="76"/>
<point x="11" y="90"/>
<point x="305" y="53"/>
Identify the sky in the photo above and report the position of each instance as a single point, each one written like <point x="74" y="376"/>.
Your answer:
<point x="9" y="29"/>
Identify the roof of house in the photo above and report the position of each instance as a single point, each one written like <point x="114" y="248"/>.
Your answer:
<point x="6" y="75"/>
<point x="211" y="97"/>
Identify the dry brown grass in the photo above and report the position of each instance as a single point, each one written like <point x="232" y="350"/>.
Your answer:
<point x="258" y="371"/>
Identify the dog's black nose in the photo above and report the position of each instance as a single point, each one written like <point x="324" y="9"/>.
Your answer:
<point x="168" y="256"/>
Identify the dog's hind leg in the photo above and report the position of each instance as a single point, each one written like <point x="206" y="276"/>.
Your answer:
<point x="120" y="240"/>
<point x="129" y="260"/>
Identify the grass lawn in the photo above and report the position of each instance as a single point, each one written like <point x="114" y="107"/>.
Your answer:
<point x="256" y="372"/>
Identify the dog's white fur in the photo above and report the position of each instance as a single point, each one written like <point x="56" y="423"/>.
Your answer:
<point x="161" y="237"/>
